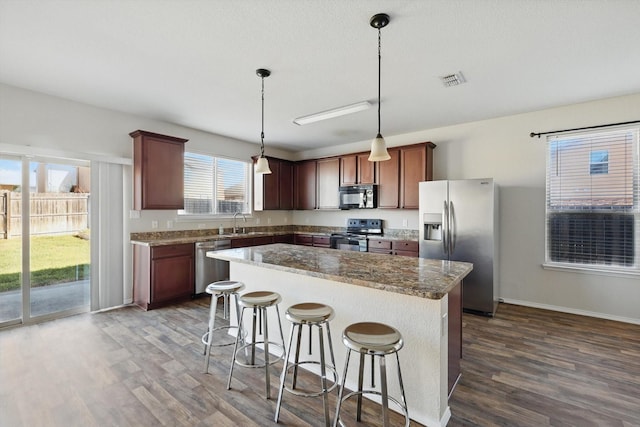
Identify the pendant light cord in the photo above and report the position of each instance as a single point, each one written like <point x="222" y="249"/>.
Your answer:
<point x="262" y="129"/>
<point x="379" y="77"/>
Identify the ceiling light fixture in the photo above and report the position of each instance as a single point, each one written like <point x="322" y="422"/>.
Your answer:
<point x="378" y="147"/>
<point x="262" y="165"/>
<point x="334" y="112"/>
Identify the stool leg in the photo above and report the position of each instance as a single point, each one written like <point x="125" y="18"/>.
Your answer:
<point x="341" y="387"/>
<point x="266" y="352"/>
<point x="297" y="358"/>
<point x="360" y="381"/>
<point x="404" y="400"/>
<point x="384" y="392"/>
<point x="253" y="336"/>
<point x="283" y="375"/>
<point x="235" y="349"/>
<point x="212" y="322"/>
<point x="323" y="372"/>
<point x="333" y="359"/>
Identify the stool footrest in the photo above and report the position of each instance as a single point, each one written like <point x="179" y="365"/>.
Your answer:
<point x="330" y="368"/>
<point x="205" y="337"/>
<point x="262" y="365"/>
<point x="377" y="393"/>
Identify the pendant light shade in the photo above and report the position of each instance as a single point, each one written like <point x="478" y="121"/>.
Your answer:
<point x="262" y="165"/>
<point x="378" y="146"/>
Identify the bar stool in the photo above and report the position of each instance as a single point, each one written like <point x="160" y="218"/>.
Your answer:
<point x="224" y="289"/>
<point x="377" y="340"/>
<point x="258" y="301"/>
<point x="312" y="314"/>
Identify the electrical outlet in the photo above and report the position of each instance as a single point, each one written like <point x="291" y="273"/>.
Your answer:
<point x="134" y="214"/>
<point x="169" y="224"/>
<point x="257" y="221"/>
<point x="200" y="225"/>
<point x="154" y="224"/>
<point x="285" y="220"/>
<point x="268" y="220"/>
<point x="405" y="222"/>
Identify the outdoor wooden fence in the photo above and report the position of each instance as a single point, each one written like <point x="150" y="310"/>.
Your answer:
<point x="51" y="213"/>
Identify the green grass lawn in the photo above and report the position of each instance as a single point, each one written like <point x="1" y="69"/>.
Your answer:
<point x="54" y="259"/>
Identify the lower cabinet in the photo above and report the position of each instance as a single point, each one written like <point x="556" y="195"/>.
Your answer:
<point x="283" y="238"/>
<point x="311" y="240"/>
<point x="163" y="274"/>
<point x="394" y="247"/>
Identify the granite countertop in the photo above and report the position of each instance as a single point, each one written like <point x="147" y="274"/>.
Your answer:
<point x="420" y="277"/>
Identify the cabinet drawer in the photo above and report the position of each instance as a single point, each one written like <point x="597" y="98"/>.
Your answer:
<point x="302" y="239"/>
<point x="380" y="251"/>
<point x="407" y="253"/>
<point x="379" y="244"/>
<point x="242" y="242"/>
<point x="405" y="245"/>
<point x="262" y="240"/>
<point x="322" y="241"/>
<point x="172" y="251"/>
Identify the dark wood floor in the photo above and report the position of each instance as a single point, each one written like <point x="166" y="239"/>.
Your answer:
<point x="126" y="367"/>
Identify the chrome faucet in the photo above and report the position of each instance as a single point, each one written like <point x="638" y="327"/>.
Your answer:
<point x="235" y="215"/>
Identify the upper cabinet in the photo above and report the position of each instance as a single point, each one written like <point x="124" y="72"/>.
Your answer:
<point x="305" y="184"/>
<point x="274" y="191"/>
<point x="158" y="171"/>
<point x="398" y="177"/>
<point x="328" y="183"/>
<point x="357" y="169"/>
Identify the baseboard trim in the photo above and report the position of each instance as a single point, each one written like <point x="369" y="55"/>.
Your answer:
<point x="571" y="311"/>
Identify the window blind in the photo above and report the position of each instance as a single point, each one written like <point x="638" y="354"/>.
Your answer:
<point x="592" y="208"/>
<point x="215" y="185"/>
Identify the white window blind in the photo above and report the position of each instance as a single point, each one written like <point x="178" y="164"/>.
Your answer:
<point x="592" y="206"/>
<point x="215" y="186"/>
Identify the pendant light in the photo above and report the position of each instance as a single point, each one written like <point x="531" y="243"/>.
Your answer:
<point x="378" y="147"/>
<point x="262" y="165"/>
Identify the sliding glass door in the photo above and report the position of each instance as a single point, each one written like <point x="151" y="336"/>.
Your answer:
<point x="44" y="238"/>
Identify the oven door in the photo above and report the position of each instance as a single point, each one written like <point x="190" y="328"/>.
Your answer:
<point x="349" y="243"/>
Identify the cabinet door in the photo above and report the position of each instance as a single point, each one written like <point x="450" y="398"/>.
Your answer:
<point x="158" y="171"/>
<point x="348" y="170"/>
<point x="328" y="183"/>
<point x="322" y="241"/>
<point x="303" y="239"/>
<point x="242" y="242"/>
<point x="271" y="186"/>
<point x="283" y="238"/>
<point x="286" y="185"/>
<point x="305" y="185"/>
<point x="172" y="275"/>
<point x="366" y="169"/>
<point x="413" y="169"/>
<point x="389" y="181"/>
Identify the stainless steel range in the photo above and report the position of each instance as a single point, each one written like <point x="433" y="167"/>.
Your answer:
<point x="355" y="238"/>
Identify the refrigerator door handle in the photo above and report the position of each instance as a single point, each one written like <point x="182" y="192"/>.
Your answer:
<point x="452" y="228"/>
<point x="445" y="228"/>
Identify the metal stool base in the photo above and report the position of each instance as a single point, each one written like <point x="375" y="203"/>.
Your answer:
<point x="365" y="392"/>
<point x="254" y="365"/>
<point x="331" y="369"/>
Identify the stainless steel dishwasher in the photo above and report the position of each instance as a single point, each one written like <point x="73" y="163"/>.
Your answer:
<point x="209" y="270"/>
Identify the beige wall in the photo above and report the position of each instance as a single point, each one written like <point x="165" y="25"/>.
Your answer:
<point x="500" y="148"/>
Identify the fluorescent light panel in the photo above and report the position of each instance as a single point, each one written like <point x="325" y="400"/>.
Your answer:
<point x="335" y="112"/>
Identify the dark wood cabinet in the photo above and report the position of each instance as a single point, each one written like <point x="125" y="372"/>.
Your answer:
<point x="357" y="169"/>
<point x="389" y="181"/>
<point x="303" y="239"/>
<point x="405" y="248"/>
<point x="163" y="274"/>
<point x="380" y="246"/>
<point x="274" y="191"/>
<point x="394" y="247"/>
<point x="283" y="238"/>
<point x="328" y="183"/>
<point x="399" y="177"/>
<point x="242" y="242"/>
<point x="305" y="184"/>
<point x="262" y="240"/>
<point x="455" y="336"/>
<point x="416" y="165"/>
<point x="158" y="171"/>
<point x="322" y="241"/>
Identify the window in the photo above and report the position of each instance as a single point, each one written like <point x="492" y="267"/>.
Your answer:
<point x="592" y="209"/>
<point x="215" y="186"/>
<point x="599" y="162"/>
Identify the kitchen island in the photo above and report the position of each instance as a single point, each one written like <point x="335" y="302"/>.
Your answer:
<point x="410" y="294"/>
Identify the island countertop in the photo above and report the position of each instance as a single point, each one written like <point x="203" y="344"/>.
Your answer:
<point x="420" y="277"/>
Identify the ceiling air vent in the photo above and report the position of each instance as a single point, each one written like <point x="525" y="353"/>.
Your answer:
<point x="453" y="79"/>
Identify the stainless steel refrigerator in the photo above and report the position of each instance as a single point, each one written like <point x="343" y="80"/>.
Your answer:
<point x="459" y="222"/>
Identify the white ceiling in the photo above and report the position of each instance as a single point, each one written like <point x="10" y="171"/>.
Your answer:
<point x="193" y="62"/>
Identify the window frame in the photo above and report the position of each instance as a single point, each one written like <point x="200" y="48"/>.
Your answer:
<point x="552" y="164"/>
<point x="182" y="215"/>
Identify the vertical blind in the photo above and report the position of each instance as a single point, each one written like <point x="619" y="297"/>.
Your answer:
<point x="215" y="185"/>
<point x="592" y="207"/>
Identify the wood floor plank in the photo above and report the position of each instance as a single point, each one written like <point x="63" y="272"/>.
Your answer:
<point x="126" y="367"/>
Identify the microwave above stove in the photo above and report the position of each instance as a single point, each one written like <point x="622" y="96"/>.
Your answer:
<point x="359" y="196"/>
